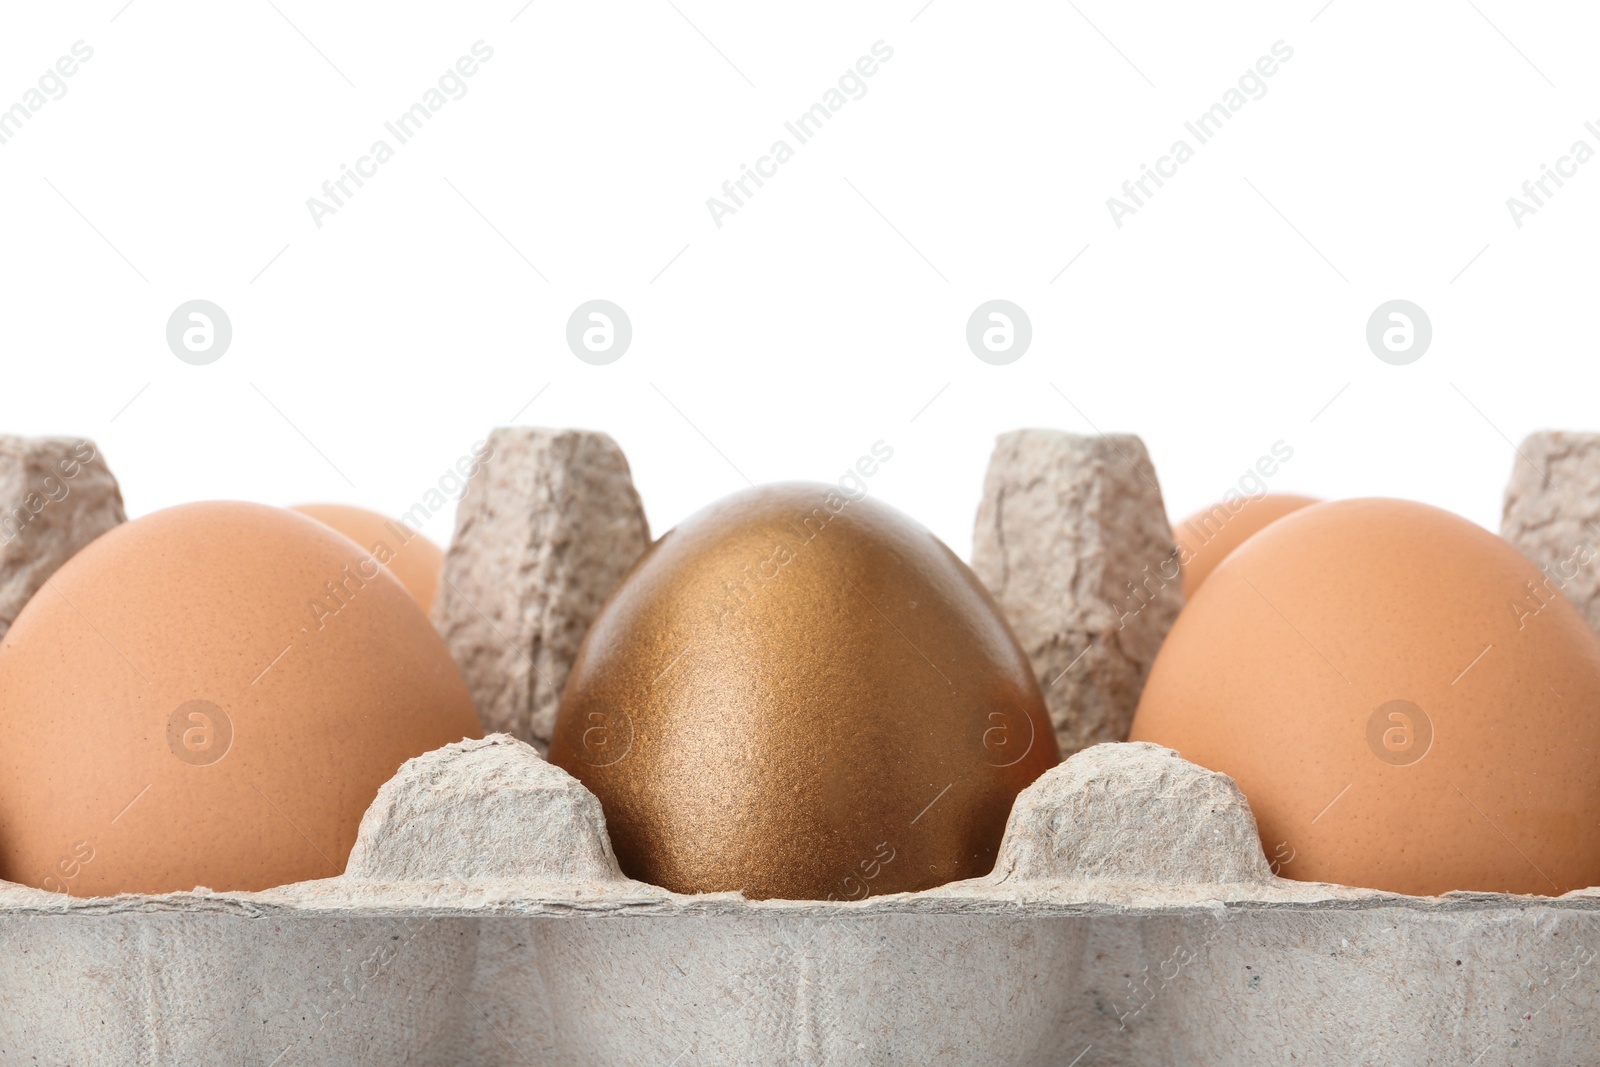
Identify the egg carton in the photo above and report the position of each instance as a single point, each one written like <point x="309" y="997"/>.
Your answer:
<point x="1131" y="918"/>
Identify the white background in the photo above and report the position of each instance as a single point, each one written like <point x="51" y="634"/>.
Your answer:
<point x="829" y="311"/>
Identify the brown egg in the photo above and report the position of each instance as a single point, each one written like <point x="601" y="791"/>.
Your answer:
<point x="1404" y="702"/>
<point x="211" y="695"/>
<point x="799" y="695"/>
<point x="1206" y="537"/>
<point x="411" y="557"/>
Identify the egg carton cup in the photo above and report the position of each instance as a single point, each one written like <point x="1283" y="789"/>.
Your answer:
<point x="1132" y="917"/>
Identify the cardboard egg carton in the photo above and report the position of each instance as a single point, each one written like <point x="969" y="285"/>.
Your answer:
<point x="1131" y="918"/>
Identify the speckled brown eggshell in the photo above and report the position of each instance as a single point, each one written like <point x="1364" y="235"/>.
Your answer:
<point x="799" y="696"/>
<point x="408" y="555"/>
<point x="1404" y="702"/>
<point x="211" y="696"/>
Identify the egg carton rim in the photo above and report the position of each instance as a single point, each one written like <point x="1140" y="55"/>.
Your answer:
<point x="605" y="891"/>
<point x="402" y="901"/>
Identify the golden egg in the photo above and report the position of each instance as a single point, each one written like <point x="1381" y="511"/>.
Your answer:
<point x="1205" y="538"/>
<point x="211" y="695"/>
<point x="801" y="695"/>
<point x="1403" y="699"/>
<point x="408" y="555"/>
